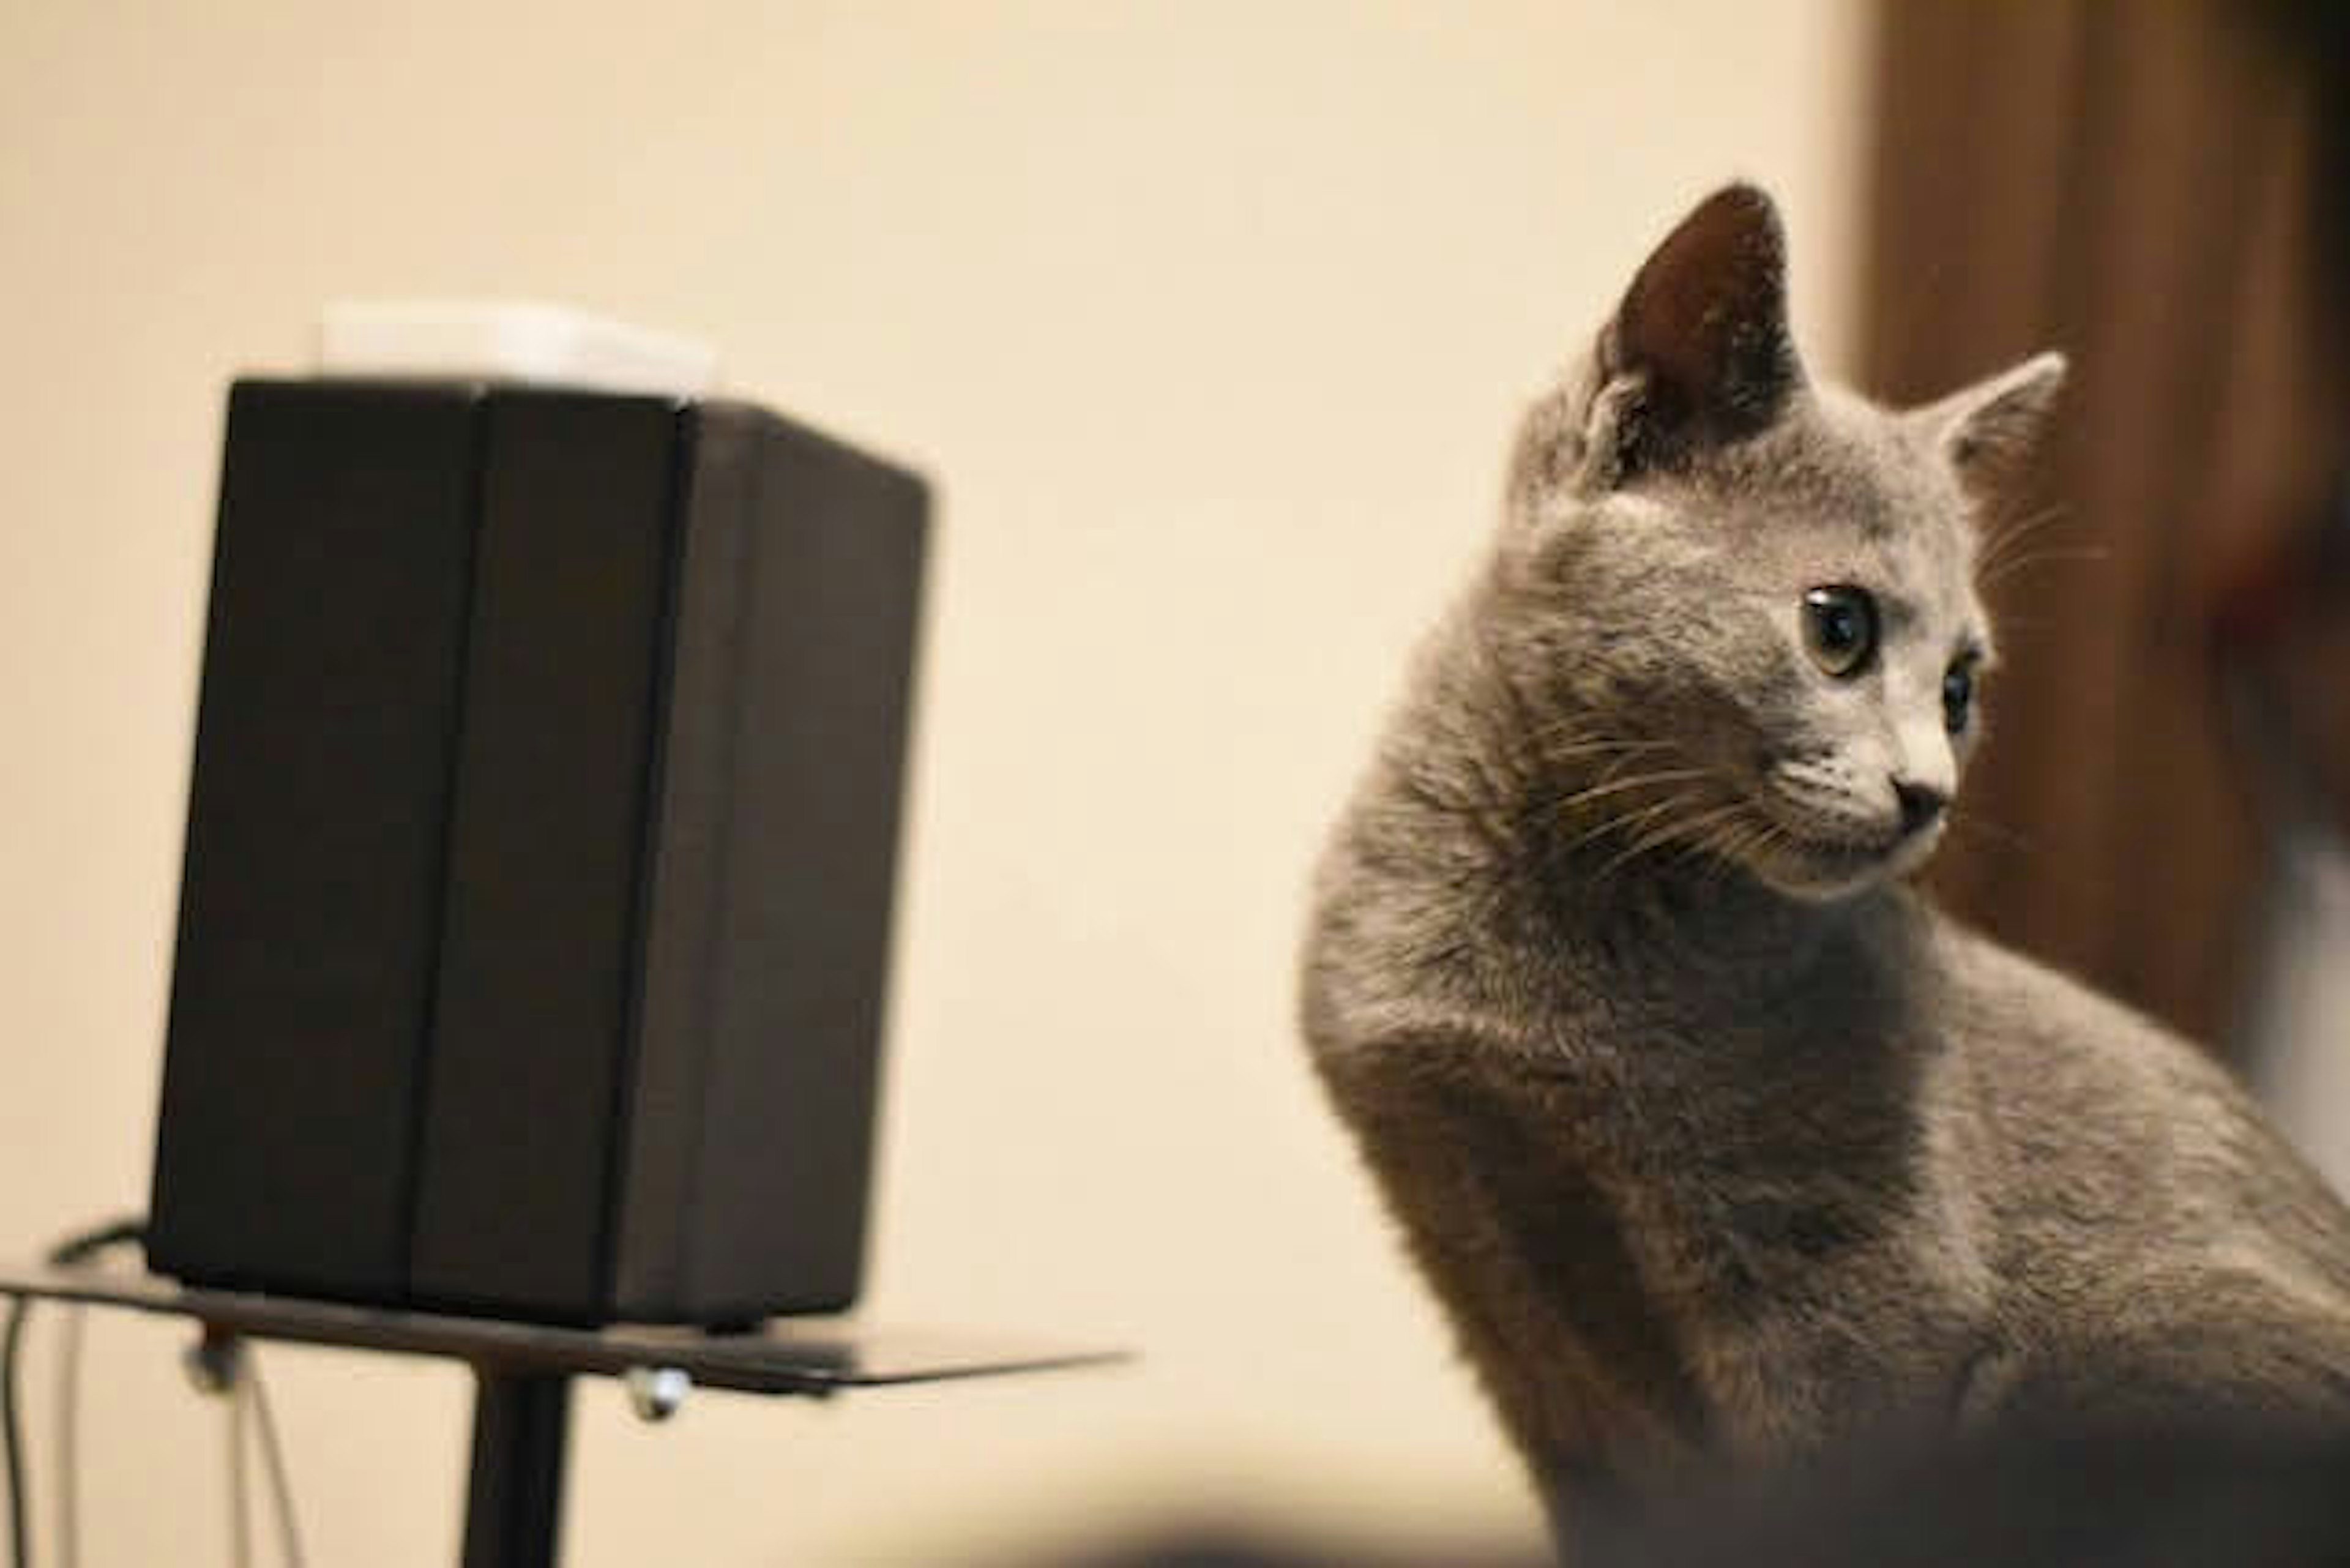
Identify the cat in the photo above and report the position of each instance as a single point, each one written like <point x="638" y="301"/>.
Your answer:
<point x="1717" y="1142"/>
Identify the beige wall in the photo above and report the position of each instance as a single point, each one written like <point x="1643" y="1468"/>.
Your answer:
<point x="1209" y="318"/>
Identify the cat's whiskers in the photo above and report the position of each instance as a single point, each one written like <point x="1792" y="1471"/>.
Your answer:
<point x="1565" y="730"/>
<point x="1660" y="835"/>
<point x="1990" y="578"/>
<point x="1628" y="821"/>
<point x="1705" y="832"/>
<point x="1725" y="837"/>
<point x="1577" y="727"/>
<point x="2004" y="540"/>
<point x="1719" y="840"/>
<point x="1609" y="786"/>
<point x="1975" y="823"/>
<point x="1568" y="747"/>
<point x="1749" y="839"/>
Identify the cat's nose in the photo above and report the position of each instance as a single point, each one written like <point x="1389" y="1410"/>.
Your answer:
<point x="1921" y="804"/>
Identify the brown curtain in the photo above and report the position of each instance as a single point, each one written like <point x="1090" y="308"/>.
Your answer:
<point x="2143" y="185"/>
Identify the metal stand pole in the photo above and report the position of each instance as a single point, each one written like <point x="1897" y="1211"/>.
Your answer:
<point x="513" y="1504"/>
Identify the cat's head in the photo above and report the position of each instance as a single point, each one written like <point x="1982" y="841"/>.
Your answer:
<point x="1744" y="602"/>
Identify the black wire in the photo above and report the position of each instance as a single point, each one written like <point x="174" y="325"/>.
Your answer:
<point x="75" y="1248"/>
<point x="12" y="1431"/>
<point x="68" y="1530"/>
<point x="273" y="1454"/>
<point x="83" y="1245"/>
<point x="240" y="1495"/>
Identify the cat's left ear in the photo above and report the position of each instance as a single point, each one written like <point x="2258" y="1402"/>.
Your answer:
<point x="1989" y="431"/>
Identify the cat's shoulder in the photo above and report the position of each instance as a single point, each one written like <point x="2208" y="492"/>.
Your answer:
<point x="2009" y="1006"/>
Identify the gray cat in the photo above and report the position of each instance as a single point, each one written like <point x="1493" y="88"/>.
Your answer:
<point x="1717" y="1142"/>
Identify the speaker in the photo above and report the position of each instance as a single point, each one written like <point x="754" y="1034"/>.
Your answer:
<point x="542" y="835"/>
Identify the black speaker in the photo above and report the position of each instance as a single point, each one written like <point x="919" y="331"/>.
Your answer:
<point x="542" y="835"/>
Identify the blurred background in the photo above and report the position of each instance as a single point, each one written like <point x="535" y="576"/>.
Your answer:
<point x="1210" y="321"/>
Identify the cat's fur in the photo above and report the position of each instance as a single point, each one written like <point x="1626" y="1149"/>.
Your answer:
<point x="1715" y="1141"/>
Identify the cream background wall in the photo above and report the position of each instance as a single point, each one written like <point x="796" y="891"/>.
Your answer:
<point x="1209" y="318"/>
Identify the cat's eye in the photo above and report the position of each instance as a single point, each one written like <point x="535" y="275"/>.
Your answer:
<point x="1840" y="628"/>
<point x="1958" y="694"/>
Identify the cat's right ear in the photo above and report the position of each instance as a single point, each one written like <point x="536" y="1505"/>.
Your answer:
<point x="1699" y="352"/>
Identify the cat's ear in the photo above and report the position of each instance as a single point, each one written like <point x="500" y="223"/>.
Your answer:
<point x="1699" y="351"/>
<point x="1990" y="431"/>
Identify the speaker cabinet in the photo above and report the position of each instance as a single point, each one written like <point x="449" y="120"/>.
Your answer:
<point x="535" y="921"/>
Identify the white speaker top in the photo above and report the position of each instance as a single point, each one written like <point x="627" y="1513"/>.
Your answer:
<point x="508" y="340"/>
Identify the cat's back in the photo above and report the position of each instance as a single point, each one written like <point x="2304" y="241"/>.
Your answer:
<point x="2105" y="1137"/>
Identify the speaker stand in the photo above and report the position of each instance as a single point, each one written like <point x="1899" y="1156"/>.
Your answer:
<point x="523" y="1373"/>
